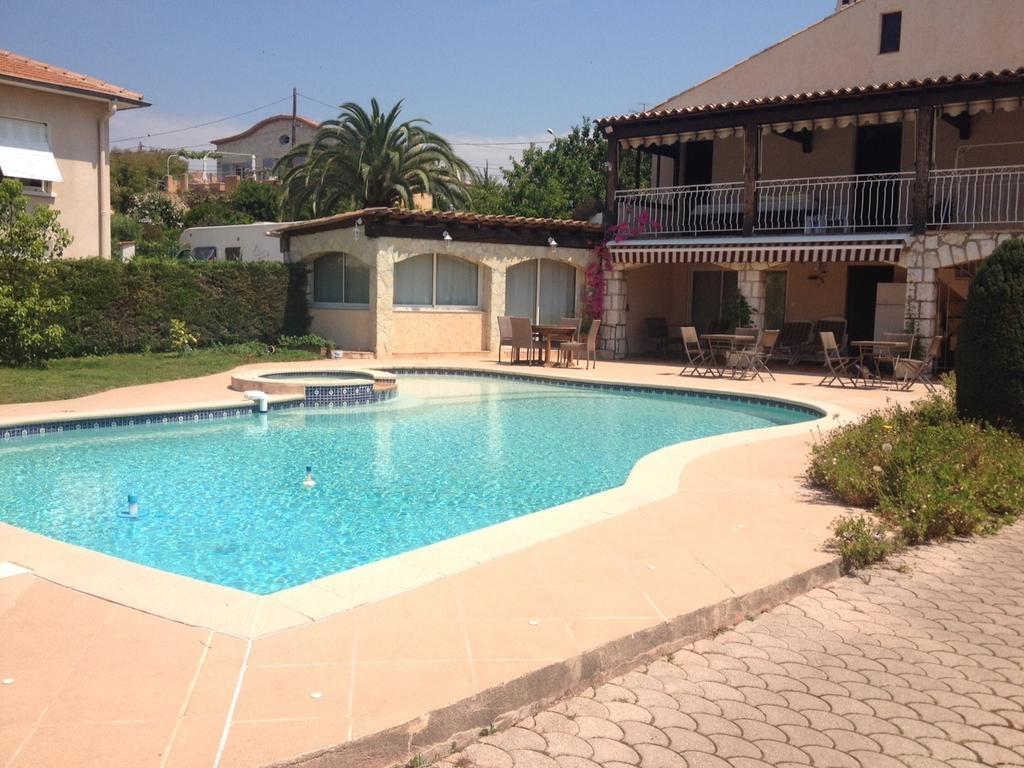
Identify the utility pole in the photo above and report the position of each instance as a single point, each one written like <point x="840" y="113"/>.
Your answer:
<point x="295" y="104"/>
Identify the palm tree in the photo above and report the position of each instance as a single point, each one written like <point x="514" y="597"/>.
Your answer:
<point x="364" y="160"/>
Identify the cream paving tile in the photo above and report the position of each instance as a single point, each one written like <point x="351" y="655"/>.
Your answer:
<point x="263" y="742"/>
<point x="294" y="691"/>
<point x="96" y="745"/>
<point x="325" y="642"/>
<point x="406" y="689"/>
<point x="194" y="742"/>
<point x="130" y="692"/>
<point x="520" y="638"/>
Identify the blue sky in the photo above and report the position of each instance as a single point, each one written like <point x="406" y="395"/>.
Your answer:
<point x="487" y="74"/>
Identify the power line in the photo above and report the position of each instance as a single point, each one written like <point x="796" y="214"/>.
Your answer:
<point x="199" y="125"/>
<point x="489" y="144"/>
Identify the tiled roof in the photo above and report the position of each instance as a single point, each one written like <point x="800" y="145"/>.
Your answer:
<point x="400" y="215"/>
<point x="266" y="121"/>
<point x="26" y="70"/>
<point x="831" y="93"/>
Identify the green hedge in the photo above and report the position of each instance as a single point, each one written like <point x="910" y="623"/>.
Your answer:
<point x="117" y="307"/>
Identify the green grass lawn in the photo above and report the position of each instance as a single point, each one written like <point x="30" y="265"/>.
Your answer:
<point x="74" y="377"/>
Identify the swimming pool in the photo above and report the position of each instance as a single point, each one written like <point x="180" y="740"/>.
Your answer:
<point x="224" y="501"/>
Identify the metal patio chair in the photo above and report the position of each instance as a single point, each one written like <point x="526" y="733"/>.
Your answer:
<point x="912" y="371"/>
<point x="837" y="367"/>
<point x="695" y="355"/>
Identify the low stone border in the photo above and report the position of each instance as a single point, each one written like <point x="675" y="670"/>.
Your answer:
<point x="437" y="734"/>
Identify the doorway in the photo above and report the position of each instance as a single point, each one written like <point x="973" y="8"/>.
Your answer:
<point x="879" y="151"/>
<point x="708" y="296"/>
<point x="861" y="297"/>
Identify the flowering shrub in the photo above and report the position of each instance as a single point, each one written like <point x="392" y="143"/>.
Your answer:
<point x="925" y="473"/>
<point x="594" y="274"/>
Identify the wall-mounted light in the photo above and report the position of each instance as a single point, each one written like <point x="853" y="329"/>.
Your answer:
<point x="447" y="238"/>
<point x="357" y="230"/>
<point x="552" y="242"/>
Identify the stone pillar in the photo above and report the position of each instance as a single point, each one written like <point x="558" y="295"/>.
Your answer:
<point x="751" y="284"/>
<point x="382" y="301"/>
<point x="922" y="301"/>
<point x="496" y="304"/>
<point x="614" y="308"/>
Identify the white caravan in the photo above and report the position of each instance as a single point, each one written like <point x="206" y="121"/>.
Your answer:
<point x="232" y="242"/>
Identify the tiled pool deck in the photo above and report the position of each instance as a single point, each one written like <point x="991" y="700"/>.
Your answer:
<point x="241" y="680"/>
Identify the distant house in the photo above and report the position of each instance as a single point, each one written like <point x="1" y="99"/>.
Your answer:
<point x="862" y="167"/>
<point x="55" y="139"/>
<point x="268" y="140"/>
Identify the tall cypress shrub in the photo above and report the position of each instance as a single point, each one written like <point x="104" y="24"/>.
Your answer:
<point x="990" y="356"/>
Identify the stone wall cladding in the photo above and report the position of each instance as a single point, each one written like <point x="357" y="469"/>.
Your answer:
<point x="925" y="254"/>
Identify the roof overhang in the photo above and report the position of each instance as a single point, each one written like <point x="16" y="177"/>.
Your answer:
<point x="122" y="102"/>
<point x="772" y="249"/>
<point x="460" y="226"/>
<point x="1003" y="86"/>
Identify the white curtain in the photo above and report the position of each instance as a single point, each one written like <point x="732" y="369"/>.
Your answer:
<point x="456" y="282"/>
<point x="357" y="282"/>
<point x="521" y="290"/>
<point x="414" y="281"/>
<point x="327" y="278"/>
<point x="557" y="291"/>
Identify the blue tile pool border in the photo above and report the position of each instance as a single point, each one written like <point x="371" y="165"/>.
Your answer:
<point x="346" y="396"/>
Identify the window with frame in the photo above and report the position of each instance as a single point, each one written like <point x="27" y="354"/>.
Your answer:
<point x="892" y="24"/>
<point x="233" y="253"/>
<point x="26" y="155"/>
<point x="543" y="290"/>
<point x="341" y="279"/>
<point x="437" y="280"/>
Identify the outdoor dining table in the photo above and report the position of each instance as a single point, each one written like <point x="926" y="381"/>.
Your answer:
<point x="549" y="333"/>
<point x="866" y="349"/>
<point x="723" y="345"/>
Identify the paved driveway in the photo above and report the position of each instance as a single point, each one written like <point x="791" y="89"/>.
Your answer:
<point x="920" y="666"/>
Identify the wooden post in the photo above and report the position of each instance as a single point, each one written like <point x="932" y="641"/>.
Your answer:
<point x="613" y="180"/>
<point x="751" y="134"/>
<point x="922" y="166"/>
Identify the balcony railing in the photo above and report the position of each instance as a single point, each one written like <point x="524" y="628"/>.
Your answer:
<point x="965" y="198"/>
<point x="693" y="210"/>
<point x="878" y="201"/>
<point x="958" y="198"/>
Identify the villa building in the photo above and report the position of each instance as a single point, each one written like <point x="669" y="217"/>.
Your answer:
<point x="256" y="150"/>
<point x="393" y="281"/>
<point x="860" y="168"/>
<point x="55" y="139"/>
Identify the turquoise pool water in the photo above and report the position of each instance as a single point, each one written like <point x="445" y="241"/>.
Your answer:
<point x="224" y="501"/>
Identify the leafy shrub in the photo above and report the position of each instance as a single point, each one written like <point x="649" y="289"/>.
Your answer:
<point x="860" y="541"/>
<point x="30" y="330"/>
<point x="309" y="341"/>
<point x="990" y="356"/>
<point x="118" y="307"/>
<point x="924" y="471"/>
<point x="124" y="228"/>
<point x="181" y="338"/>
<point x="27" y="335"/>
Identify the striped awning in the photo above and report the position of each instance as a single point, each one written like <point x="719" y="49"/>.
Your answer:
<point x="773" y="250"/>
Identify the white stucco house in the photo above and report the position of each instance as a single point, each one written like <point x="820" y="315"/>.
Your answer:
<point x="55" y="139"/>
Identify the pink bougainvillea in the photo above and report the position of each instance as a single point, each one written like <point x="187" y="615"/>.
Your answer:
<point x="594" y="274"/>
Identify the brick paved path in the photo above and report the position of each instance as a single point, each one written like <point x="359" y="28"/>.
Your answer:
<point x="922" y="666"/>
